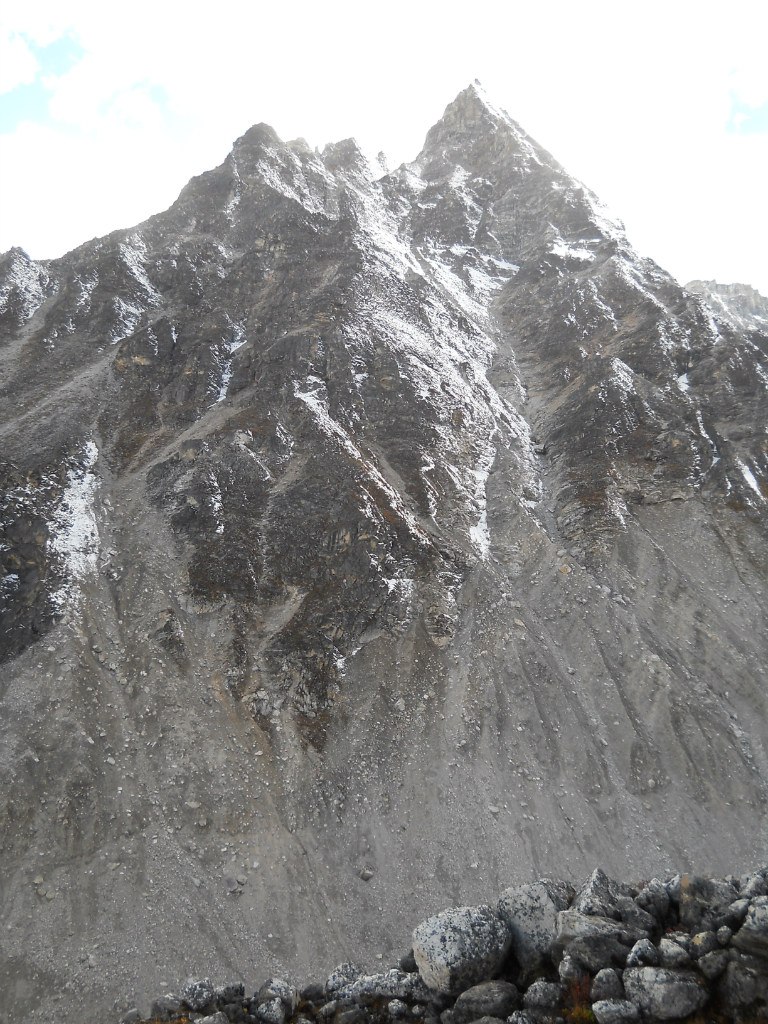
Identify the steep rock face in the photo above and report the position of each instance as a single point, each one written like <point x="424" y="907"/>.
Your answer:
<point x="739" y="305"/>
<point x="363" y="530"/>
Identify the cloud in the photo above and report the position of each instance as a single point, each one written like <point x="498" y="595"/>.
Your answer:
<point x="18" y="65"/>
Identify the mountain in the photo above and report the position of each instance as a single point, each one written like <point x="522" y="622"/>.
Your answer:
<point x="739" y="305"/>
<point x="370" y="544"/>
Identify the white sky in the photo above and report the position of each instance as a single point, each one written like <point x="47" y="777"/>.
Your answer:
<point x="106" y="110"/>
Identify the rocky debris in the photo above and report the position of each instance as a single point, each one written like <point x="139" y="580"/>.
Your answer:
<point x="524" y="967"/>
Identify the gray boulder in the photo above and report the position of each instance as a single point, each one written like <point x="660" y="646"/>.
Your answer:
<point x="531" y="912"/>
<point x="607" y="985"/>
<point x="744" y="986"/>
<point x="712" y="965"/>
<point x="489" y="999"/>
<point x="752" y="937"/>
<point x="665" y="994"/>
<point x="460" y="947"/>
<point x="598" y="895"/>
<point x="672" y="954"/>
<point x="271" y="1012"/>
<point x="654" y="900"/>
<point x="736" y="913"/>
<point x="570" y="971"/>
<point x="277" y="988"/>
<point x="633" y="916"/>
<point x="165" y="1008"/>
<point x="753" y="885"/>
<point x="703" y="943"/>
<point x="593" y="941"/>
<point x="340" y="976"/>
<point x="615" y="1011"/>
<point x="198" y="993"/>
<point x="394" y="984"/>
<point x="703" y="901"/>
<point x="642" y="954"/>
<point x="214" y="1018"/>
<point x="397" y="1009"/>
<point x="543" y="996"/>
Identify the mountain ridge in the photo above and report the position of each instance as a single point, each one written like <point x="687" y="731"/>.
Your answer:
<point x="340" y="509"/>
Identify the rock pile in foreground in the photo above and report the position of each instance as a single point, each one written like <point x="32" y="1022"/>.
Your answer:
<point x="660" y="950"/>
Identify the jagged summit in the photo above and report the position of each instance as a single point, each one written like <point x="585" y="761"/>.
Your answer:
<point x="332" y="503"/>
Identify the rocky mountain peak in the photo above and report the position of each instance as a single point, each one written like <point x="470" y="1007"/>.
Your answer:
<point x="333" y="502"/>
<point x="477" y="135"/>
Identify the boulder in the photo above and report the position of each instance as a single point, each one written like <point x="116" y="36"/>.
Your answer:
<point x="531" y="912"/>
<point x="744" y="986"/>
<point x="397" y="1009"/>
<point x="643" y="953"/>
<point x="665" y="994"/>
<point x="712" y="965"/>
<point x="735" y="914"/>
<point x="598" y="895"/>
<point x="488" y="999"/>
<point x="214" y="1018"/>
<point x="313" y="993"/>
<point x="165" y="1008"/>
<point x="592" y="941"/>
<point x="198" y="993"/>
<point x="271" y="1012"/>
<point x="654" y="900"/>
<point x="277" y="988"/>
<point x="570" y="971"/>
<point x="460" y="947"/>
<point x="394" y="984"/>
<point x="703" y="901"/>
<point x="340" y="976"/>
<point x="615" y="1011"/>
<point x="543" y="996"/>
<point x="703" y="943"/>
<point x="753" y="885"/>
<point x="354" y="1015"/>
<point x="234" y="993"/>
<point x="607" y="985"/>
<point x="752" y="937"/>
<point x="672" y="954"/>
<point x="633" y="916"/>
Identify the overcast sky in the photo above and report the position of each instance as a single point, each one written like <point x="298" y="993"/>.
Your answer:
<point x="107" y="109"/>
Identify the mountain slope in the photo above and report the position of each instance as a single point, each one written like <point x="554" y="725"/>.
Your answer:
<point x="415" y="524"/>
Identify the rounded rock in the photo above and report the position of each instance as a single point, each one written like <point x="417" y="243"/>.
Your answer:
<point x="665" y="994"/>
<point x="460" y="947"/>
